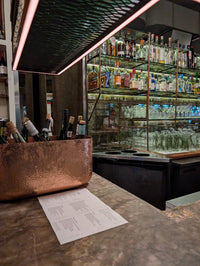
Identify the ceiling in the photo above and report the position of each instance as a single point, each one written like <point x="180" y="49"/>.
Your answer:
<point x="63" y="30"/>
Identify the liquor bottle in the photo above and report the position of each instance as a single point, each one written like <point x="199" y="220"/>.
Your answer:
<point x="134" y="83"/>
<point x="143" y="78"/>
<point x="188" y="85"/>
<point x="112" y="79"/>
<point x="80" y="117"/>
<point x="81" y="129"/>
<point x="152" y="49"/>
<point x="157" y="48"/>
<point x="45" y="130"/>
<point x="104" y="48"/>
<point x="3" y="132"/>
<point x="141" y="54"/>
<point x="63" y="132"/>
<point x="118" y="79"/>
<point x="15" y="133"/>
<point x="197" y="86"/>
<point x="111" y="46"/>
<point x="33" y="132"/>
<point x="170" y="52"/>
<point x="132" y="50"/>
<point x="166" y="54"/>
<point x="126" y="78"/>
<point x="127" y="47"/>
<point x="175" y="54"/>
<point x="70" y="127"/>
<point x="3" y="66"/>
<point x="170" y="83"/>
<point x="180" y="56"/>
<point x="189" y="56"/>
<point x="163" y="83"/>
<point x="120" y="45"/>
<point x="184" y="57"/>
<point x="92" y="79"/>
<point x="152" y="83"/>
<point x="24" y="133"/>
<point x="162" y="51"/>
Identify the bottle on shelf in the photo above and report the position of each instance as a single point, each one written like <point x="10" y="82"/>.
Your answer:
<point x="181" y="83"/>
<point x="70" y="127"/>
<point x="170" y="83"/>
<point x="104" y="48"/>
<point x="134" y="83"/>
<point x="63" y="132"/>
<point x="163" y="83"/>
<point x="127" y="46"/>
<point x="166" y="54"/>
<point x="152" y="83"/>
<point x="15" y="133"/>
<point x="81" y="129"/>
<point x="112" y="46"/>
<point x="157" y="48"/>
<point x="143" y="78"/>
<point x="141" y="53"/>
<point x="120" y="45"/>
<point x="92" y="79"/>
<point x="112" y="79"/>
<point x="32" y="131"/>
<point x="118" y="78"/>
<point x="126" y="76"/>
<point x="162" y="51"/>
<point x="152" y="52"/>
<point x="184" y="57"/>
<point x="188" y="85"/>
<point x="3" y="65"/>
<point x="170" y="51"/>
<point x="132" y="49"/>
<point x="80" y="117"/>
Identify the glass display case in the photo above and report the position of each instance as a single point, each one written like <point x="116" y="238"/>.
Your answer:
<point x="152" y="87"/>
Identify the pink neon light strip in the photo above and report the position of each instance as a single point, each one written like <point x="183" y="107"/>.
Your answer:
<point x="198" y="1"/>
<point x="27" y="24"/>
<point x="125" y="23"/>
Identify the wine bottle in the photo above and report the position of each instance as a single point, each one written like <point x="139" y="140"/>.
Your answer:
<point x="15" y="133"/>
<point x="3" y="132"/>
<point x="81" y="129"/>
<point x="63" y="132"/>
<point x="3" y="66"/>
<point x="80" y="117"/>
<point x="70" y="127"/>
<point x="33" y="132"/>
<point x="45" y="130"/>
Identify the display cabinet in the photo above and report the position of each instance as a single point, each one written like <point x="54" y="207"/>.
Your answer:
<point x="157" y="109"/>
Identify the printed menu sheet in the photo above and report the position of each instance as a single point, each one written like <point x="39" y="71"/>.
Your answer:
<point x="75" y="214"/>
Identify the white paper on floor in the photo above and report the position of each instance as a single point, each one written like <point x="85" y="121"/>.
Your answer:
<point x="78" y="213"/>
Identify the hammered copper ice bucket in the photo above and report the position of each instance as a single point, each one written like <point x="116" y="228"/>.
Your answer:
<point x="36" y="168"/>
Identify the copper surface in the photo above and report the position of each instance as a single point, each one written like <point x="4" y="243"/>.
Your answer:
<point x="28" y="169"/>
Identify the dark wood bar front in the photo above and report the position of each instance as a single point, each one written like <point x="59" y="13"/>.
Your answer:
<point x="151" y="237"/>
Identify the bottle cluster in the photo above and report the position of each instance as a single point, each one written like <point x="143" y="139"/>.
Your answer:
<point x="159" y="50"/>
<point x="7" y="129"/>
<point x="138" y="80"/>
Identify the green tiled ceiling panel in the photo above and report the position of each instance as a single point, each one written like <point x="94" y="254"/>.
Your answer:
<point x="63" y="29"/>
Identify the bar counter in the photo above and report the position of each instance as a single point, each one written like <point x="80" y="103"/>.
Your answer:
<point x="151" y="237"/>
